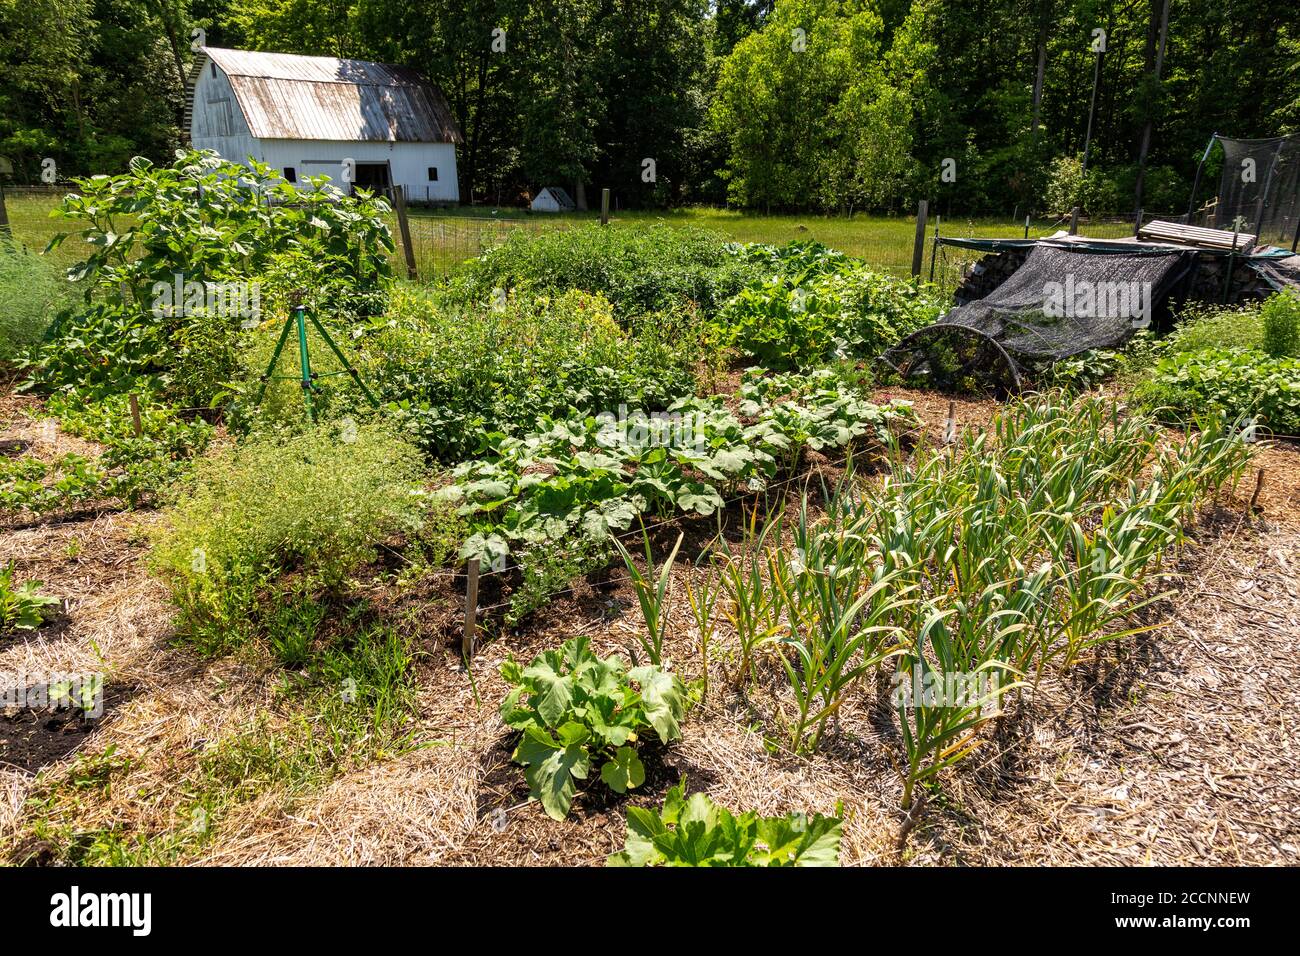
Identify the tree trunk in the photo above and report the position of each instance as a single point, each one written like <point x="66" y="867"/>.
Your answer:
<point x="1155" y="62"/>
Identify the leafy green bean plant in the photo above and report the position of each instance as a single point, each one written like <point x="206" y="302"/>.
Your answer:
<point x="575" y="709"/>
<point x="695" y="831"/>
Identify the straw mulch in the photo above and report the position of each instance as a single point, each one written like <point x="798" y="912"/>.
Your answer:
<point x="1175" y="748"/>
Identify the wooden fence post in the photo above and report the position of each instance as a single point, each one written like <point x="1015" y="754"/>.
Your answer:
<point x="604" y="207"/>
<point x="471" y="610"/>
<point x="4" y="215"/>
<point x="1074" y="221"/>
<point x="918" y="244"/>
<point x="404" y="226"/>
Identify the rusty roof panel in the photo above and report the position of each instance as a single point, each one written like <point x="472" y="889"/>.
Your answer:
<point x="284" y="96"/>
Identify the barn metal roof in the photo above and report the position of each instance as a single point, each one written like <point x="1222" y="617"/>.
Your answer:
<point x="284" y="96"/>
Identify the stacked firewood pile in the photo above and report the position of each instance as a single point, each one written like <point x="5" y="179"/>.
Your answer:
<point x="987" y="274"/>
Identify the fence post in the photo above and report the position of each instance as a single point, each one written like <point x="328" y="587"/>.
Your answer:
<point x="604" y="207"/>
<point x="4" y="215"/>
<point x="1026" y="226"/>
<point x="1232" y="256"/>
<point x="918" y="244"/>
<point x="1294" y="242"/>
<point x="404" y="226"/>
<point x="1074" y="221"/>
<point x="1137" y="223"/>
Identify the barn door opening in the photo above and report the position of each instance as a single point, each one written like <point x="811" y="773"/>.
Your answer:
<point x="373" y="176"/>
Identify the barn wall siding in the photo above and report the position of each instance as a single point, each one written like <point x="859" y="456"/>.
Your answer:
<point x="409" y="163"/>
<point x="218" y="123"/>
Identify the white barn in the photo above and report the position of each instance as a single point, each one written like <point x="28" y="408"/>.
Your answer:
<point x="307" y="115"/>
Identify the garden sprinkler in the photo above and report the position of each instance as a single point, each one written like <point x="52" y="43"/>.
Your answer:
<point x="307" y="378"/>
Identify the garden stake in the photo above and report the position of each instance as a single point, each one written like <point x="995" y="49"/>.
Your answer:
<point x="307" y="378"/>
<point x="471" y="610"/>
<point x="135" y="415"/>
<point x="1259" y="486"/>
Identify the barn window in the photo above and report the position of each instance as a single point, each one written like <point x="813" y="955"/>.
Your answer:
<point x="433" y="174"/>
<point x="290" y="174"/>
<point x="213" y="68"/>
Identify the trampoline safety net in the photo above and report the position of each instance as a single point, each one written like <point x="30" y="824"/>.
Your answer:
<point x="1260" y="187"/>
<point x="1061" y="302"/>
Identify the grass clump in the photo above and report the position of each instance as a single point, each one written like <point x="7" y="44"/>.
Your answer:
<point x="32" y="292"/>
<point x="316" y="504"/>
<point x="352" y="704"/>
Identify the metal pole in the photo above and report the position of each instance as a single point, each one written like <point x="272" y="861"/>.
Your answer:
<point x="934" y="251"/>
<point x="300" y="314"/>
<point x="1092" y="110"/>
<point x="1232" y="256"/>
<point x="1196" y="180"/>
<point x="1263" y="193"/>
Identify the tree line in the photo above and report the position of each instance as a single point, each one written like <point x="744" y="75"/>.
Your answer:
<point x="981" y="106"/>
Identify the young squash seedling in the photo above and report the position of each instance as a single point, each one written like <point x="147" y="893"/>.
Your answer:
<point x="695" y="831"/>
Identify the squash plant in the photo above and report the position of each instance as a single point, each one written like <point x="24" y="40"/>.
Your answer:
<point x="575" y="710"/>
<point x="695" y="831"/>
<point x="22" y="606"/>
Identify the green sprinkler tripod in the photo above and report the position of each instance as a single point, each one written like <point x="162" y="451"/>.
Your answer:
<point x="307" y="378"/>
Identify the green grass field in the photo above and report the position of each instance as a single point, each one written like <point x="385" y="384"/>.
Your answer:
<point x="444" y="238"/>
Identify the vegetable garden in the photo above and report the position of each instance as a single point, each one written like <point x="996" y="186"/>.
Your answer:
<point x="618" y="548"/>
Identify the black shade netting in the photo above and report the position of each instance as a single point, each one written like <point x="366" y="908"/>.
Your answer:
<point x="1061" y="302"/>
<point x="1259" y="192"/>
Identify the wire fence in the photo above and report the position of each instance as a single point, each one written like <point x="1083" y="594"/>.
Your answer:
<point x="441" y="245"/>
<point x="442" y="241"/>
